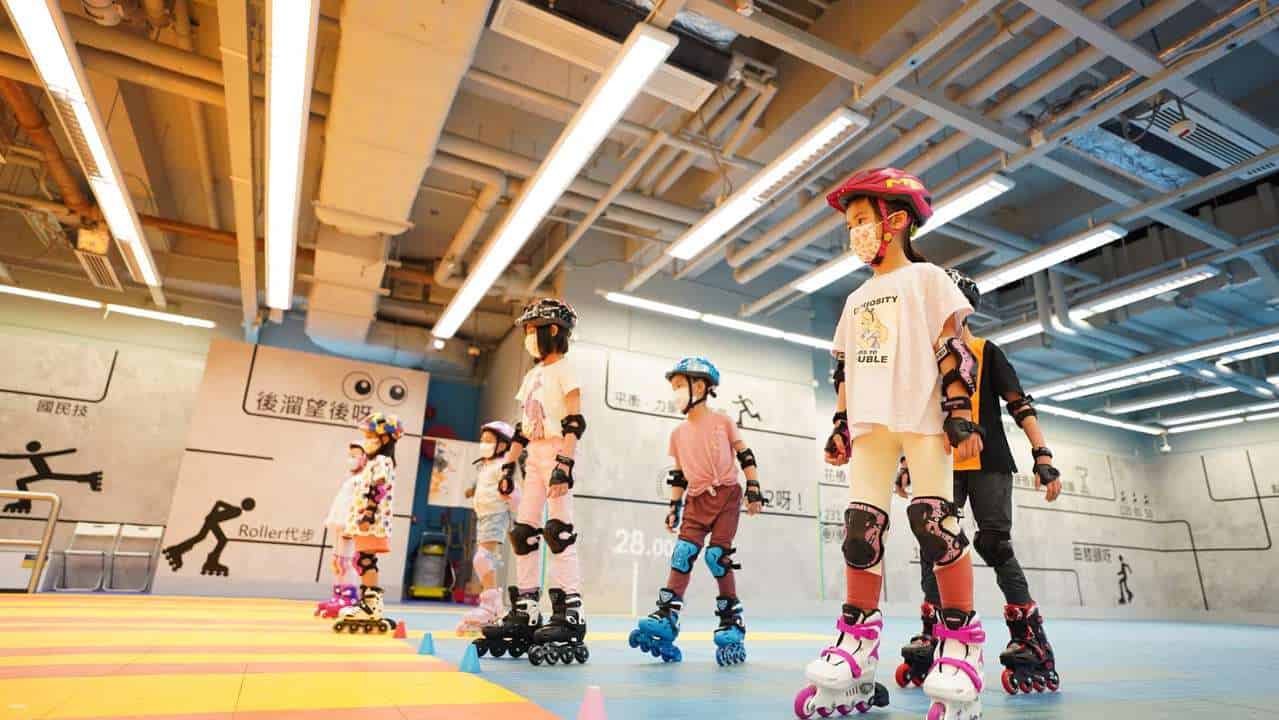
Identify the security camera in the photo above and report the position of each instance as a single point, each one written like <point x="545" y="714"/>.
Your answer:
<point x="1183" y="128"/>
<point x="1164" y="447"/>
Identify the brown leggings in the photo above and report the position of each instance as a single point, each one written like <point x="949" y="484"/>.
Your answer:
<point x="715" y="515"/>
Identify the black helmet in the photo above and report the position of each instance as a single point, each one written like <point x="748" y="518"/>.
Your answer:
<point x="966" y="286"/>
<point x="548" y="311"/>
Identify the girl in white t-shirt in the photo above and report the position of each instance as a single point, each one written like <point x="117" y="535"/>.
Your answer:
<point x="345" y="580"/>
<point x="904" y="382"/>
<point x="550" y="426"/>
<point x="492" y="520"/>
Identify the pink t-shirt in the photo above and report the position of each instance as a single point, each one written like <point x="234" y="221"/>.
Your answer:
<point x="704" y="451"/>
<point x="886" y="334"/>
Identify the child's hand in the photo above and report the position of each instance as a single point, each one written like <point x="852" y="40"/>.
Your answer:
<point x="754" y="508"/>
<point x="673" y="517"/>
<point x="470" y="492"/>
<point x="755" y="500"/>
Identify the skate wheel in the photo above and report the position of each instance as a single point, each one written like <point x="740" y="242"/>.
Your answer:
<point x="936" y="711"/>
<point x="581" y="654"/>
<point x="535" y="656"/>
<point x="516" y="650"/>
<point x="918" y="680"/>
<point x="1006" y="679"/>
<point x="804" y="702"/>
<point x="1038" y="684"/>
<point x="1024" y="685"/>
<point x="566" y="655"/>
<point x="337" y="627"/>
<point x="1053" y="683"/>
<point x="862" y="707"/>
<point x="497" y="651"/>
<point x="634" y="639"/>
<point x="902" y="676"/>
<point x="843" y="709"/>
<point x="825" y="712"/>
<point x="353" y="629"/>
<point x="480" y="648"/>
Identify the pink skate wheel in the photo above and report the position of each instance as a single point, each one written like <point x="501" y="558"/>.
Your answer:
<point x="936" y="711"/>
<point x="825" y="712"/>
<point x="843" y="709"/>
<point x="804" y="702"/>
<point x="862" y="707"/>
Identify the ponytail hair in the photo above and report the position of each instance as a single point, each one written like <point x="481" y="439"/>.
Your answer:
<point x="908" y="248"/>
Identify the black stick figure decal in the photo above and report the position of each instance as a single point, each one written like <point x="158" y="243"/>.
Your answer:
<point x="1125" y="595"/>
<point x="222" y="511"/>
<point x="745" y="411"/>
<point x="39" y="461"/>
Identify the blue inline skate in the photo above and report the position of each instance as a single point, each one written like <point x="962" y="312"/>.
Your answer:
<point x="656" y="633"/>
<point x="731" y="632"/>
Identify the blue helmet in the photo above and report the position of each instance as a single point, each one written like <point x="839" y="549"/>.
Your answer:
<point x="696" y="367"/>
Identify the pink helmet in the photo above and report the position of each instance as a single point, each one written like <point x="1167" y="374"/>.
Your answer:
<point x="500" y="429"/>
<point x="885" y="184"/>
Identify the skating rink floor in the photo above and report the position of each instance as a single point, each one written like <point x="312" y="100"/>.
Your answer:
<point x="95" y="656"/>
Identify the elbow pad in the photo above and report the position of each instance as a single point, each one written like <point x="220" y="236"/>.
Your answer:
<point x="573" y="425"/>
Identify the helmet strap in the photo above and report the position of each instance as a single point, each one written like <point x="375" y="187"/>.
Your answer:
<point x="885" y="230"/>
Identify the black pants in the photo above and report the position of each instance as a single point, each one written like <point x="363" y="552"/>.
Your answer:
<point x="990" y="495"/>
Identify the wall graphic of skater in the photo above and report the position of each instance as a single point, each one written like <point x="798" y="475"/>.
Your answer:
<point x="39" y="461"/>
<point x="222" y="511"/>
<point x="1125" y="595"/>
<point x="745" y="411"/>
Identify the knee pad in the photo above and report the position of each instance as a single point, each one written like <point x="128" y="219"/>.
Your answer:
<point x="559" y="535"/>
<point x="720" y="561"/>
<point x="864" y="528"/>
<point x="367" y="562"/>
<point x="525" y="538"/>
<point x="684" y="555"/>
<point x="994" y="546"/>
<point x="484" y="562"/>
<point x="937" y="545"/>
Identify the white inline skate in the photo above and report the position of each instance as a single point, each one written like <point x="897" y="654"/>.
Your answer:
<point x="486" y="613"/>
<point x="954" y="683"/>
<point x="842" y="678"/>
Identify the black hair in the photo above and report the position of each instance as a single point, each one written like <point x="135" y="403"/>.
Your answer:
<point x="908" y="248"/>
<point x="548" y="343"/>
<point x="387" y="449"/>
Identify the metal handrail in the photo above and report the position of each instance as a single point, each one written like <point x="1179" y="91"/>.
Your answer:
<point x="42" y="545"/>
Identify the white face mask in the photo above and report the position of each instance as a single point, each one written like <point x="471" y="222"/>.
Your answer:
<point x="530" y="344"/>
<point x="680" y="396"/>
<point x="354" y="463"/>
<point x="487" y="449"/>
<point x="864" y="241"/>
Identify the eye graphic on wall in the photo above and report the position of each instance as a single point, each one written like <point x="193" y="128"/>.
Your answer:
<point x="358" y="385"/>
<point x="392" y="391"/>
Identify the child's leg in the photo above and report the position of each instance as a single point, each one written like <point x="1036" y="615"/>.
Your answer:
<point x="561" y="539"/>
<point x="344" y="551"/>
<point x="526" y="535"/>
<point x="991" y="497"/>
<point x="485" y="564"/>
<point x="728" y="504"/>
<point x="693" y="529"/>
<point x="934" y="519"/>
<point x="872" y="469"/>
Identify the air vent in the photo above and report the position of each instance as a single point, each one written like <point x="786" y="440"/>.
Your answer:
<point x="100" y="271"/>
<point x="1211" y="141"/>
<point x="65" y="108"/>
<point x="579" y="45"/>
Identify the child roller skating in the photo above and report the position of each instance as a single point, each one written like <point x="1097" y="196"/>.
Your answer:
<point x="550" y="427"/>
<point x="904" y="383"/>
<point x="369" y="523"/>
<point x="345" y="580"/>
<point x="513" y="634"/>
<point x="985" y="482"/>
<point x="917" y="655"/>
<point x="706" y="495"/>
<point x="492" y="520"/>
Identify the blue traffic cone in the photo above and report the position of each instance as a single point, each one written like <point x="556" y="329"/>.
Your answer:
<point x="470" y="660"/>
<point x="427" y="646"/>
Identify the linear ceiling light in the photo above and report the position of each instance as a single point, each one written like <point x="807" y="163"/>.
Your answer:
<point x="838" y="128"/>
<point x="1248" y="355"/>
<point x="642" y="54"/>
<point x="1166" y="400"/>
<point x="51" y="297"/>
<point x="1045" y="258"/>
<point x="717" y="320"/>
<point x="652" y="306"/>
<point x="1117" y="384"/>
<point x="1145" y="291"/>
<point x="813" y="342"/>
<point x="1219" y="349"/>
<point x="290" y="42"/>
<point x="826" y="274"/>
<point x="44" y="31"/>
<point x="970" y="198"/>
<point x="745" y="327"/>
<point x="1262" y="416"/>
<point x="1205" y="425"/>
<point x="1016" y="332"/>
<point x="163" y="316"/>
<point x="1239" y="410"/>
<point x="1097" y="419"/>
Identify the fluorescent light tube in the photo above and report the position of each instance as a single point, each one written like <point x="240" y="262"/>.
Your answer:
<point x="290" y="44"/>
<point x="156" y="315"/>
<point x="1119" y="384"/>
<point x="1049" y="256"/>
<point x="1239" y="410"/>
<point x="1176" y="399"/>
<point x="1097" y="419"/>
<point x="838" y="128"/>
<point x="51" y="297"/>
<point x="732" y="324"/>
<point x="1262" y="416"/>
<point x="43" y="29"/>
<point x="652" y="306"/>
<point x="814" y="342"/>
<point x="1221" y="349"/>
<point x="642" y="54"/>
<point x="1249" y="354"/>
<point x="1134" y="295"/>
<point x="975" y="195"/>
<point x="826" y="274"/>
<point x="1016" y="332"/>
<point x="1205" y="425"/>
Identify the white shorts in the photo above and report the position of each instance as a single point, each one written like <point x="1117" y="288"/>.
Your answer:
<point x="492" y="527"/>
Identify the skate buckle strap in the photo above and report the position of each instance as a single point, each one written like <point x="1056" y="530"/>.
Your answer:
<point x="860" y="631"/>
<point x="963" y="665"/>
<point x="969" y="635"/>
<point x="853" y="667"/>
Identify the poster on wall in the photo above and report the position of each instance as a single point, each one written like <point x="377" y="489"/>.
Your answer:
<point x="453" y="472"/>
<point x="100" y="425"/>
<point x="265" y="454"/>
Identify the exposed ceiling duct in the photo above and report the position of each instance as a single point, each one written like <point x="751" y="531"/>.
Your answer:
<point x="380" y="138"/>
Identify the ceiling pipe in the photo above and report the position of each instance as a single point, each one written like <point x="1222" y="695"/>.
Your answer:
<point x="468" y="230"/>
<point x="156" y="12"/>
<point x="33" y="123"/>
<point x="683" y="161"/>
<point x="199" y="129"/>
<point x="710" y="107"/>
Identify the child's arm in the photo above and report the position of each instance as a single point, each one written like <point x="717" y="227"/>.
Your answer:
<point x="839" y="444"/>
<point x="572" y="428"/>
<point x="957" y="367"/>
<point x="675" y="478"/>
<point x="506" y="482"/>
<point x="755" y="500"/>
<point x="1021" y="407"/>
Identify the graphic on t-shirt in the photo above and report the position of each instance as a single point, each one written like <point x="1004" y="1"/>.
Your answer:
<point x="534" y="413"/>
<point x="873" y="335"/>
